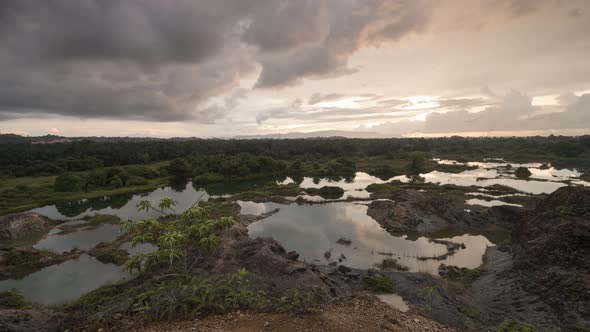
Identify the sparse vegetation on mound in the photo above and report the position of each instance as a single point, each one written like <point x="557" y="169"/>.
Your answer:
<point x="463" y="275"/>
<point x="379" y="283"/>
<point x="18" y="262"/>
<point x="514" y="326"/>
<point x="13" y="300"/>
<point x="106" y="253"/>
<point x="327" y="192"/>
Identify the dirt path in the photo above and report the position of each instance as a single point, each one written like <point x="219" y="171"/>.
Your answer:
<point x="359" y="314"/>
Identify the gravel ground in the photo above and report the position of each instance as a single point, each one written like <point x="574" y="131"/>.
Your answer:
<point x="362" y="313"/>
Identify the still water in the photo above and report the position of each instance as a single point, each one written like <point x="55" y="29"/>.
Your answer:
<point x="83" y="239"/>
<point x="66" y="281"/>
<point x="314" y="230"/>
<point x="542" y="181"/>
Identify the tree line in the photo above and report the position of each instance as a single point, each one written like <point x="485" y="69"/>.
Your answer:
<point x="26" y="159"/>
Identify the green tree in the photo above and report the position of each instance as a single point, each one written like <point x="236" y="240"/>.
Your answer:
<point x="181" y="239"/>
<point x="179" y="168"/>
<point x="417" y="163"/>
<point x="68" y="182"/>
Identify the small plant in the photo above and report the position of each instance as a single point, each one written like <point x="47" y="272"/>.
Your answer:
<point x="12" y="299"/>
<point x="514" y="326"/>
<point x="429" y="294"/>
<point x="180" y="239"/>
<point x="379" y="284"/>
<point x="181" y="296"/>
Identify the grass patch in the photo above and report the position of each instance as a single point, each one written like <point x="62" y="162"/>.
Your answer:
<point x="514" y="326"/>
<point x="13" y="300"/>
<point x="25" y="193"/>
<point x="463" y="275"/>
<point x="20" y="262"/>
<point x="379" y="284"/>
<point x="107" y="254"/>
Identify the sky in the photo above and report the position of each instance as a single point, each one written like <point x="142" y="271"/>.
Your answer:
<point x="223" y="68"/>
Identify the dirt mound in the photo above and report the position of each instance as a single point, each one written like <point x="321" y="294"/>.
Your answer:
<point x="362" y="313"/>
<point x="23" y="225"/>
<point x="271" y="268"/>
<point x="557" y="232"/>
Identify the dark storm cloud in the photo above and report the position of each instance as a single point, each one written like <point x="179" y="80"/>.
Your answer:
<point x="148" y="59"/>
<point x="173" y="60"/>
<point x="350" y="26"/>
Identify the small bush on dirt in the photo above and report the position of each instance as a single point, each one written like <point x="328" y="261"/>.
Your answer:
<point x="13" y="300"/>
<point x="514" y="326"/>
<point x="379" y="284"/>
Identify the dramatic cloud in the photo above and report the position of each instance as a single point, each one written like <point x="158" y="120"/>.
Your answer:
<point x="401" y="66"/>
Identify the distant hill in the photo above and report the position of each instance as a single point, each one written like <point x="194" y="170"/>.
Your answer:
<point x="314" y="134"/>
<point x="51" y="139"/>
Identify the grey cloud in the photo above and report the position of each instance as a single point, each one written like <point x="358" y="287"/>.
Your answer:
<point x="317" y="98"/>
<point x="351" y="26"/>
<point x="170" y="60"/>
<point x="513" y="112"/>
<point x="287" y="25"/>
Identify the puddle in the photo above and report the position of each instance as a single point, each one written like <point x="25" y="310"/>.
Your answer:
<point x="494" y="202"/>
<point x="490" y="177"/>
<point x="81" y="239"/>
<point x="395" y="301"/>
<point x="65" y="282"/>
<point x="123" y="206"/>
<point x="541" y="181"/>
<point x="313" y="230"/>
<point x="353" y="187"/>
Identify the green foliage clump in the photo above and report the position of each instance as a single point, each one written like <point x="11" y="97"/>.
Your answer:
<point x="514" y="326"/>
<point x="68" y="182"/>
<point x="206" y="178"/>
<point x="429" y="294"/>
<point x="26" y="258"/>
<point x="12" y="299"/>
<point x="180" y="297"/>
<point x="180" y="169"/>
<point x="180" y="239"/>
<point x="463" y="275"/>
<point x="105" y="253"/>
<point x="379" y="284"/>
<point x="417" y="163"/>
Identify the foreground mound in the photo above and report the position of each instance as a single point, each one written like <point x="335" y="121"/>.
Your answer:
<point x="557" y="232"/>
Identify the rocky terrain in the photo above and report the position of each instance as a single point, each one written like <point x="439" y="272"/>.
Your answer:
<point x="540" y="277"/>
<point x="427" y="212"/>
<point x="19" y="226"/>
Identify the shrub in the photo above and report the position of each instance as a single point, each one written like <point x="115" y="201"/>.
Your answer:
<point x="179" y="168"/>
<point x="514" y="326"/>
<point x="68" y="182"/>
<point x="137" y="181"/>
<point x="379" y="284"/>
<point x="13" y="300"/>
